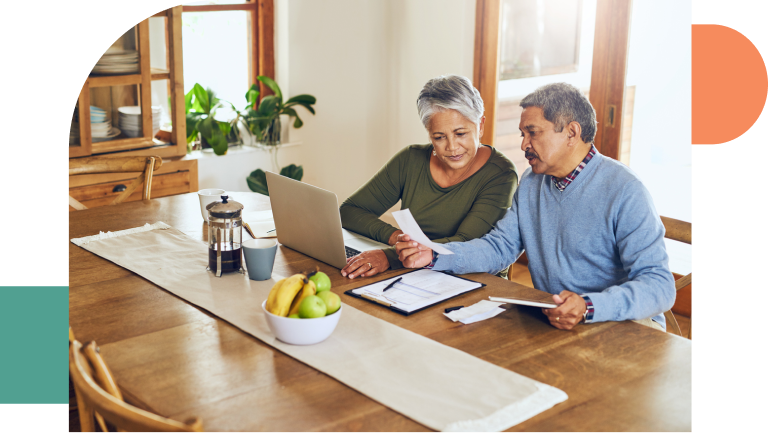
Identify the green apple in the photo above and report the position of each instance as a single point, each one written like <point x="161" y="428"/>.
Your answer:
<point x="332" y="301"/>
<point x="322" y="282"/>
<point x="294" y="316"/>
<point x="312" y="307"/>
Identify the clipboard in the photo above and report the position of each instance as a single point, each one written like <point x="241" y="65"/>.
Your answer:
<point x="406" y="289"/>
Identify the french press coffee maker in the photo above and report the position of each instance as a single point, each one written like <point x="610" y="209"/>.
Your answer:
<point x="225" y="234"/>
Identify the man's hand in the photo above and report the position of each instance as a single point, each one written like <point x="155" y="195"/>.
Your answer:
<point x="570" y="310"/>
<point x="366" y="264"/>
<point x="411" y="253"/>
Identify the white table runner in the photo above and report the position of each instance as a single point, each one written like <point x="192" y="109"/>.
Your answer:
<point x="435" y="385"/>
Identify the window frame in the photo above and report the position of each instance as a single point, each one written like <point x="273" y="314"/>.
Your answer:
<point x="609" y="66"/>
<point x="262" y="36"/>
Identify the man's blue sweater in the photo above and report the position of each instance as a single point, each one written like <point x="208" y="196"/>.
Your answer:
<point x="601" y="236"/>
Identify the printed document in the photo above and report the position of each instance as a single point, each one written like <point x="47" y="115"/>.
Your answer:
<point x="410" y="227"/>
<point x="417" y="289"/>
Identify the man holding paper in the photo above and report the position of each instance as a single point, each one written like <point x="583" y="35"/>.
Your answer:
<point x="587" y="223"/>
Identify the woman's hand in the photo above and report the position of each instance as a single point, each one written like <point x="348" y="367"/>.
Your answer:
<point x="411" y="253"/>
<point x="366" y="264"/>
<point x="393" y="239"/>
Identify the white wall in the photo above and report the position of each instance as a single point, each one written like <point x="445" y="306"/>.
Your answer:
<point x="365" y="61"/>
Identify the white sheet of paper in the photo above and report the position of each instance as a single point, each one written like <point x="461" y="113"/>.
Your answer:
<point x="262" y="223"/>
<point x="410" y="227"/>
<point x="479" y="308"/>
<point x="483" y="316"/>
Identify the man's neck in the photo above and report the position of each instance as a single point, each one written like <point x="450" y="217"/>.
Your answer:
<point x="574" y="160"/>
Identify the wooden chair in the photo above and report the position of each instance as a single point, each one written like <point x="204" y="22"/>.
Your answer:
<point x="98" y="394"/>
<point x="117" y="164"/>
<point x="680" y="231"/>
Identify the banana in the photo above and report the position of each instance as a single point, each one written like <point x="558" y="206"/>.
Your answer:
<point x="286" y="293"/>
<point x="273" y="295"/>
<point x="308" y="290"/>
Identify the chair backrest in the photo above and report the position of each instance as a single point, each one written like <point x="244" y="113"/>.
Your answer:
<point x="678" y="231"/>
<point x="146" y="165"/>
<point x="97" y="392"/>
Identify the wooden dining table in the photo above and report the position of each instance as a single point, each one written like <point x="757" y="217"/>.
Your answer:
<point x="178" y="360"/>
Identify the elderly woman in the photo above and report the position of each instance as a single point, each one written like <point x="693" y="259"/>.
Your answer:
<point x="455" y="187"/>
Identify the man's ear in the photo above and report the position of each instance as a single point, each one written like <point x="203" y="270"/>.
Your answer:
<point x="574" y="133"/>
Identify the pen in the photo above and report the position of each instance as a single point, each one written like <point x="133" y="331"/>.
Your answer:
<point x="392" y="284"/>
<point x="271" y="230"/>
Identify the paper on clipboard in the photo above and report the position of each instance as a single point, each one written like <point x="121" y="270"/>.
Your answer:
<point x="410" y="227"/>
<point x="415" y="290"/>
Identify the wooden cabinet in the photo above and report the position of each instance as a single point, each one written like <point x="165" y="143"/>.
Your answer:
<point x="174" y="177"/>
<point x="109" y="92"/>
<point x="178" y="174"/>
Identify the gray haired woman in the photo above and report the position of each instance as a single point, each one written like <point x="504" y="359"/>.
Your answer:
<point x="455" y="187"/>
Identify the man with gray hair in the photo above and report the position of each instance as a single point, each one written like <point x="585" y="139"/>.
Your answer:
<point x="587" y="223"/>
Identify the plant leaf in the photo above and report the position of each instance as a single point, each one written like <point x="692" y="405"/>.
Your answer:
<point x="272" y="85"/>
<point x="224" y="127"/>
<point x="252" y="95"/>
<point x="293" y="171"/>
<point x="213" y="101"/>
<point x="307" y="106"/>
<point x="291" y="112"/>
<point x="302" y="99"/>
<point x="202" y="98"/>
<point x="218" y="142"/>
<point x="192" y="120"/>
<point x="188" y="101"/>
<point x="268" y="106"/>
<point x="205" y="127"/>
<point x="257" y="182"/>
<point x="211" y="131"/>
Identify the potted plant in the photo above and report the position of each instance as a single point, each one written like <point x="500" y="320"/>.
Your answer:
<point x="201" y="105"/>
<point x="264" y="122"/>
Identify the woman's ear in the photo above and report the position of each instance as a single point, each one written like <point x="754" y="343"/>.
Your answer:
<point x="481" y="128"/>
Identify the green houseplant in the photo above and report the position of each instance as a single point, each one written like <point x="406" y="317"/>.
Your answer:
<point x="264" y="123"/>
<point x="201" y="105"/>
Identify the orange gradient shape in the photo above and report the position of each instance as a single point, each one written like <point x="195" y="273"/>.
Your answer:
<point x="730" y="132"/>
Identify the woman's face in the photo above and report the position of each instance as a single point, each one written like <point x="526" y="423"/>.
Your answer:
<point x="455" y="138"/>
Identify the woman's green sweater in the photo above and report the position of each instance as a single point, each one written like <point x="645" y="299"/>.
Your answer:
<point x="461" y="212"/>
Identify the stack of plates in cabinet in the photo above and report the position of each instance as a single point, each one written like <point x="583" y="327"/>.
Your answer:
<point x="117" y="62"/>
<point x="130" y="120"/>
<point x="101" y="127"/>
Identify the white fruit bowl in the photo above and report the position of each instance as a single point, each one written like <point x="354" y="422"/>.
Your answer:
<point x="301" y="332"/>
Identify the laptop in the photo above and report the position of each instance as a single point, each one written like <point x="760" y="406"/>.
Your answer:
<point x="307" y="220"/>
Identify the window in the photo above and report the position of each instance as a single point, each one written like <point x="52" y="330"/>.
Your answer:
<point x="542" y="42"/>
<point x="226" y="45"/>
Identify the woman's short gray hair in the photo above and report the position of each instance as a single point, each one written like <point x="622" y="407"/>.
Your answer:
<point x="562" y="103"/>
<point x="450" y="92"/>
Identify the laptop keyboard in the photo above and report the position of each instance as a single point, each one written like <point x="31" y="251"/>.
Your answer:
<point x="351" y="252"/>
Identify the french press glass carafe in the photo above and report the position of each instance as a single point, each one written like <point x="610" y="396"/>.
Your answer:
<point x="225" y="234"/>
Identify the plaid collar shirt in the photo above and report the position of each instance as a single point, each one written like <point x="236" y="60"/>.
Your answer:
<point x="561" y="183"/>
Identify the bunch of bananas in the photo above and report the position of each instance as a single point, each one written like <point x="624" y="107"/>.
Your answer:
<point x="286" y="295"/>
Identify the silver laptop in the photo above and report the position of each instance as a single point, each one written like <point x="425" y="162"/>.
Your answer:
<point x="307" y="220"/>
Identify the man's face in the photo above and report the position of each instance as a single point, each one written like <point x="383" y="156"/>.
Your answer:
<point x="545" y="149"/>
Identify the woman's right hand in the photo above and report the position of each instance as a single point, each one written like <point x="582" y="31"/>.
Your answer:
<point x="411" y="253"/>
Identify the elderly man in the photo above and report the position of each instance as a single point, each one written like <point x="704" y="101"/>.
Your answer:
<point x="587" y="223"/>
